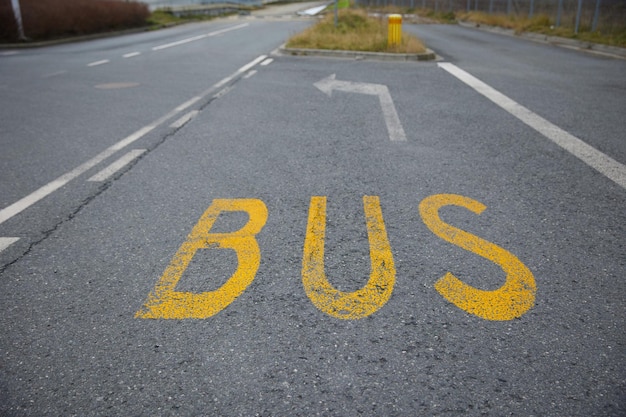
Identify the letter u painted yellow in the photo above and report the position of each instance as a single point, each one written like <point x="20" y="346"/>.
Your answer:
<point x="166" y="303"/>
<point x="370" y="298"/>
<point x="512" y="299"/>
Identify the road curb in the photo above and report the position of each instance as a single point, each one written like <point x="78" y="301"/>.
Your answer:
<point x="429" y="55"/>
<point x="607" y="50"/>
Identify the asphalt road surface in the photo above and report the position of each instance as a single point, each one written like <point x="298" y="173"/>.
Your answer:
<point x="194" y="224"/>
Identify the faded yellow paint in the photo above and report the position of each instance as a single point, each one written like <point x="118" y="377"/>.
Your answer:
<point x="370" y="298"/>
<point x="166" y="303"/>
<point x="512" y="299"/>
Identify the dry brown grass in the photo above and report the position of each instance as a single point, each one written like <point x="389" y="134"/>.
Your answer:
<point x="356" y="31"/>
<point x="518" y="24"/>
<point x="543" y="24"/>
<point x="46" y="19"/>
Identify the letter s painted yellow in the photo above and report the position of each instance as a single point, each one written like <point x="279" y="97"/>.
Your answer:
<point x="512" y="299"/>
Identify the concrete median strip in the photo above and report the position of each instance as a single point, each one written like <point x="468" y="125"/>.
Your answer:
<point x="429" y="55"/>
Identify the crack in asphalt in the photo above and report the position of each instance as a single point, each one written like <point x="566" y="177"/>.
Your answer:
<point x="44" y="235"/>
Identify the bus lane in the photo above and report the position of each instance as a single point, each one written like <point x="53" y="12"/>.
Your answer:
<point x="280" y="255"/>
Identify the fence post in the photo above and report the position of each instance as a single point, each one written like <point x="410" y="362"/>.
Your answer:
<point x="594" y="25"/>
<point x="508" y="7"/>
<point x="532" y="7"/>
<point x="558" y="13"/>
<point x="490" y="6"/>
<point x="468" y="5"/>
<point x="580" y="8"/>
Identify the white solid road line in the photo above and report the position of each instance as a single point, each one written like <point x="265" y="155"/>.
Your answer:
<point x="267" y="62"/>
<point x="5" y="242"/>
<point x="131" y="54"/>
<point x="177" y="43"/>
<point x="196" y="38"/>
<point x="96" y="63"/>
<point x="221" y="31"/>
<point x="22" y="204"/>
<point x="107" y="172"/>
<point x="602" y="163"/>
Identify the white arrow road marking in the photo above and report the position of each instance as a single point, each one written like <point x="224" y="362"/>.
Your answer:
<point x="394" y="127"/>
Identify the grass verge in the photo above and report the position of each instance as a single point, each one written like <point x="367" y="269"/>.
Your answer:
<point x="355" y="31"/>
<point x="616" y="36"/>
<point x="160" y="18"/>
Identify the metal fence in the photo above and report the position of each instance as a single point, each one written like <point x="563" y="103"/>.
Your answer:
<point x="581" y="14"/>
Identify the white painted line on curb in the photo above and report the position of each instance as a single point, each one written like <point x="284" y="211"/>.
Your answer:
<point x="22" y="204"/>
<point x="197" y="38"/>
<point x="5" y="242"/>
<point x="96" y="63"/>
<point x="107" y="172"/>
<point x="131" y="54"/>
<point x="183" y="120"/>
<point x="602" y="163"/>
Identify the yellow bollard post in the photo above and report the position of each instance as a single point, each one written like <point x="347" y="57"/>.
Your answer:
<point x="394" y="36"/>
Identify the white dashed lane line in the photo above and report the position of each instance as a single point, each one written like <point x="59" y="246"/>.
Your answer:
<point x="175" y="43"/>
<point x="97" y="63"/>
<point x="183" y="120"/>
<point x="5" y="242"/>
<point x="27" y="201"/>
<point x="109" y="171"/>
<point x="249" y="74"/>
